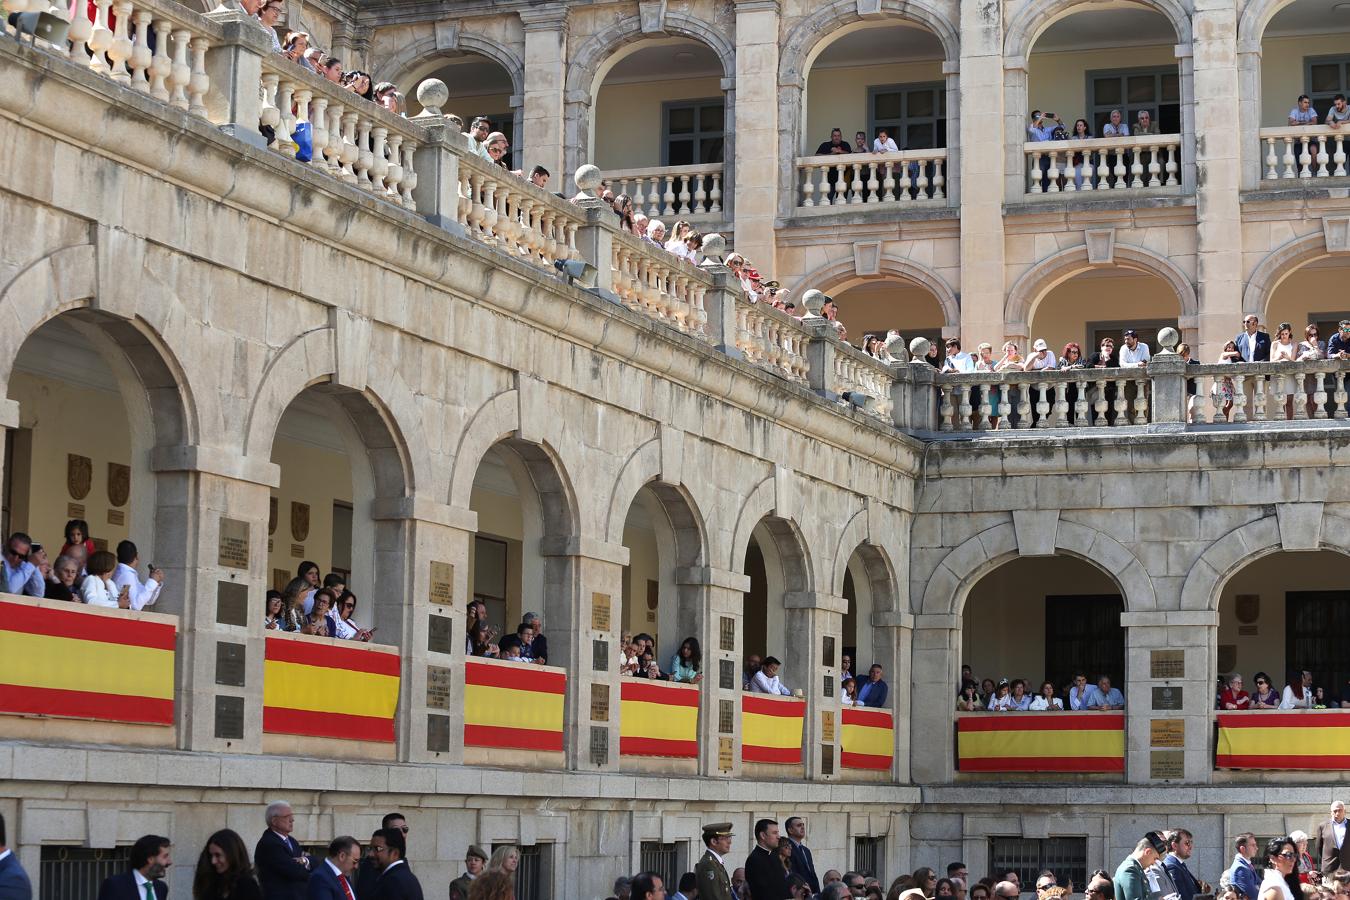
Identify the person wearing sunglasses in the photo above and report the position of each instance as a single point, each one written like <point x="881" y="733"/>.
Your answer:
<point x="1266" y="697"/>
<point x="21" y="576"/>
<point x="1281" y="854"/>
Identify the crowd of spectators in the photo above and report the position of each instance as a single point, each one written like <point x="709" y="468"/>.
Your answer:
<point x="1014" y="695"/>
<point x="81" y="572"/>
<point x="308" y="605"/>
<point x="483" y="639"/>
<point x="1298" y="692"/>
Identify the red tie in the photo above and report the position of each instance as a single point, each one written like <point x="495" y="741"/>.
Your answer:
<point x="346" y="888"/>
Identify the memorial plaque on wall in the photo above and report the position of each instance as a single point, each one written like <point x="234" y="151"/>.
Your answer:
<point x="599" y="745"/>
<point x="827" y="650"/>
<point x="79" y="475"/>
<point x="829" y="686"/>
<point x="117" y="517"/>
<point x="233" y="543"/>
<point x="599" y="703"/>
<point x="229" y="718"/>
<point x="726" y="675"/>
<point x="229" y="663"/>
<point x="438" y="687"/>
<point x="726" y="633"/>
<point x="1166" y="664"/>
<point x="1167" y="764"/>
<point x="1167" y="733"/>
<point x="1167" y="698"/>
<point x="440" y="633"/>
<point x="119" y="484"/>
<point x="297" y="551"/>
<point x="726" y="716"/>
<point x="600" y="619"/>
<point x="231" y="603"/>
<point x="827" y="726"/>
<point x="442" y="583"/>
<point x="74" y="510"/>
<point x="438" y="733"/>
<point x="600" y="656"/>
<point x="827" y="759"/>
<point x="725" y="757"/>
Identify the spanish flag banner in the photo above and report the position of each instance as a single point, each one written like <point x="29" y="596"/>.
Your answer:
<point x="1041" y="742"/>
<point x="1283" y="739"/>
<point x="334" y="690"/>
<point x="867" y="738"/>
<point x="513" y="705"/>
<point x="658" y="718"/>
<point x="771" y="729"/>
<point x="78" y="663"/>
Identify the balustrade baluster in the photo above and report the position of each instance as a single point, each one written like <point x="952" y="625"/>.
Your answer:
<point x="1122" y="403"/>
<point x="1154" y="166"/>
<point x="1120" y="171"/>
<point x="668" y="196"/>
<point x="683" y="208"/>
<point x="181" y="73"/>
<point x="715" y="195"/>
<point x="964" y="411"/>
<point x="1339" y="157"/>
<point x="988" y="408"/>
<point x="1052" y="173"/>
<point x="1304" y="160"/>
<point x="857" y="185"/>
<point x="141" y="55"/>
<point x="1042" y="405"/>
<point x="1035" y="186"/>
<point x="1080" y="406"/>
<point x="1023" y="406"/>
<point x="285" y="120"/>
<point x="1271" y="159"/>
<point x="873" y="184"/>
<point x="1141" y="402"/>
<point x="700" y="194"/>
<point x="100" y="38"/>
<point x="1322" y="158"/>
<point x="1288" y="159"/>
<point x="939" y="180"/>
<point x="394" y="177"/>
<point x="946" y="411"/>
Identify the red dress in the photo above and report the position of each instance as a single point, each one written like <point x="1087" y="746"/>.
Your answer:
<point x="1240" y="699"/>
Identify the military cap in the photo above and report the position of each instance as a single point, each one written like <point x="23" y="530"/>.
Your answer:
<point x="475" y="850"/>
<point x="716" y="830"/>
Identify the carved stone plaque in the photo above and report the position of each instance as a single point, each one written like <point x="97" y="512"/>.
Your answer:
<point x="442" y="583"/>
<point x="233" y="543"/>
<point x="1247" y="608"/>
<point x="79" y="475"/>
<point x="726" y="758"/>
<point x="231" y="603"/>
<point x="827" y="726"/>
<point x="229" y="718"/>
<point x="1167" y="733"/>
<point x="299" y="521"/>
<point x="119" y="484"/>
<point x="599" y="703"/>
<point x="1167" y="698"/>
<point x="1165" y="665"/>
<point x="1167" y="764"/>
<point x="440" y="633"/>
<point x="600" y="617"/>
<point x="229" y="663"/>
<point x="438" y="687"/>
<point x="726" y="638"/>
<point x="438" y="733"/>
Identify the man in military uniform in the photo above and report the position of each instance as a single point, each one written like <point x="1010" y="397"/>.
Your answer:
<point x="713" y="881"/>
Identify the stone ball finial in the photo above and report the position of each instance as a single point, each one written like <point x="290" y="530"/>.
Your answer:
<point x="814" y="301"/>
<point x="714" y="246"/>
<point x="1168" y="340"/>
<point x="918" y="348"/>
<point x="587" y="179"/>
<point x="895" y="348"/>
<point x="432" y="94"/>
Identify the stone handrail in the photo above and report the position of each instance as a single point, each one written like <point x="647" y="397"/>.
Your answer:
<point x="772" y="339"/>
<point x="508" y="211"/>
<point x="665" y="191"/>
<point x="907" y="177"/>
<point x="1304" y="151"/>
<point x="1053" y="398"/>
<point x="1266" y="391"/>
<point x="856" y="372"/>
<point x="1102" y="164"/>
<point x="354" y="140"/>
<point x="665" y="287"/>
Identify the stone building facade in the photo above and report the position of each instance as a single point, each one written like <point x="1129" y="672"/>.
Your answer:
<point x="370" y="361"/>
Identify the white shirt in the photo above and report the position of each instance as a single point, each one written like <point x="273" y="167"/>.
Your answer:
<point x="888" y="147"/>
<point x="1289" y="701"/>
<point x="1274" y="879"/>
<point x="1132" y="359"/>
<point x="26" y="579"/>
<point x="99" y="592"/>
<point x="763" y="684"/>
<point x="141" y="882"/>
<point x="397" y="862"/>
<point x="344" y="630"/>
<point x="141" y="594"/>
<point x="960" y="363"/>
<point x="1036" y="363"/>
<point x="1337" y="828"/>
<point x="8" y="852"/>
<point x="1040" y="703"/>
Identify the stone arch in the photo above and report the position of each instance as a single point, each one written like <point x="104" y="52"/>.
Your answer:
<point x="309" y="359"/>
<point x="496" y="420"/>
<point x="758" y="504"/>
<point x="1254" y="19"/>
<point x="842" y="274"/>
<point x="419" y="53"/>
<point x="1276" y="266"/>
<point x="960" y="570"/>
<point x="1054" y="270"/>
<point x="1246" y="544"/>
<point x="814" y="32"/>
<point x="1035" y="17"/>
<point x="643" y="469"/>
<point x="876" y="562"/>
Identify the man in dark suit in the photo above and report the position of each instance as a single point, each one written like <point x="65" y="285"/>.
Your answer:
<point x="283" y="868"/>
<point x="150" y="859"/>
<point x="332" y="879"/>
<point x="802" y="863"/>
<point x="397" y="882"/>
<point x="368" y="872"/>
<point x="763" y="872"/>
<point x="14" y="883"/>
<point x="1331" y="838"/>
<point x="1252" y="343"/>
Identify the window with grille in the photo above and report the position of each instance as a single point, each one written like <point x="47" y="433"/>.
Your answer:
<point x="1157" y="90"/>
<point x="867" y="855"/>
<point x="666" y="860"/>
<point x="914" y="115"/>
<point x="1316" y="623"/>
<point x="1324" y="77"/>
<point x="1083" y="634"/>
<point x="75" y="873"/>
<point x="1028" y="857"/>
<point x="534" y="876"/>
<point x="694" y="132"/>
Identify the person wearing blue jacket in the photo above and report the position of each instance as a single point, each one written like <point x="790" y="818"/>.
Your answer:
<point x="873" y="691"/>
<point x="1242" y="874"/>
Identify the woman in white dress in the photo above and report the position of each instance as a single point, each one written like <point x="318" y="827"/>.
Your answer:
<point x="1280" y="856"/>
<point x="1282" y="349"/>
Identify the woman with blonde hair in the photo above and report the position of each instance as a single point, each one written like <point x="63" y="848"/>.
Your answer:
<point x="505" y="859"/>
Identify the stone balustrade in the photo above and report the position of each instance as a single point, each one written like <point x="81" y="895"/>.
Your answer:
<point x="1268" y="392"/>
<point x="1103" y="164"/>
<point x="1306" y="151"/>
<point x="353" y="140"/>
<point x="507" y="211"/>
<point x="864" y="380"/>
<point x="772" y="339"/>
<point x="906" y="178"/>
<point x="659" y="284"/>
<point x="686" y="192"/>
<point x="1072" y="398"/>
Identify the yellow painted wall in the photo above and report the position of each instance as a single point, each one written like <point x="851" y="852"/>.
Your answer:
<point x="643" y="565"/>
<point x="878" y="306"/>
<point x="310" y="475"/>
<point x="499" y="516"/>
<point x="1003" y="625"/>
<point x="1063" y="314"/>
<point x="1282" y="77"/>
<point x="1057" y="82"/>
<point x="628" y="122"/>
<point x="837" y="97"/>
<point x="1307" y="291"/>
<point x="65" y="419"/>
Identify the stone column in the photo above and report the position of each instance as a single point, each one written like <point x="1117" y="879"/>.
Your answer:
<point x="437" y="162"/>
<point x="1249" y="114"/>
<point x="1218" y="160"/>
<point x="423" y="547"/>
<point x="545" y="79"/>
<point x="812" y="618"/>
<point x="583" y="587"/>
<point x="211" y="515"/>
<point x="982" y="163"/>
<point x="1169" y="695"/>
<point x="892" y="634"/>
<point x="711" y="607"/>
<point x="756" y="185"/>
<point x="935" y="669"/>
<point x="951" y="76"/>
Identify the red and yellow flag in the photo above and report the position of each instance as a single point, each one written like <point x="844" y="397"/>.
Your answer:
<point x="513" y="705"/>
<point x="1041" y="742"/>
<point x="867" y="738"/>
<point x="320" y="689"/>
<point x="658" y="718"/>
<point x="1283" y="739"/>
<point x="771" y="729"/>
<point x="79" y="663"/>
